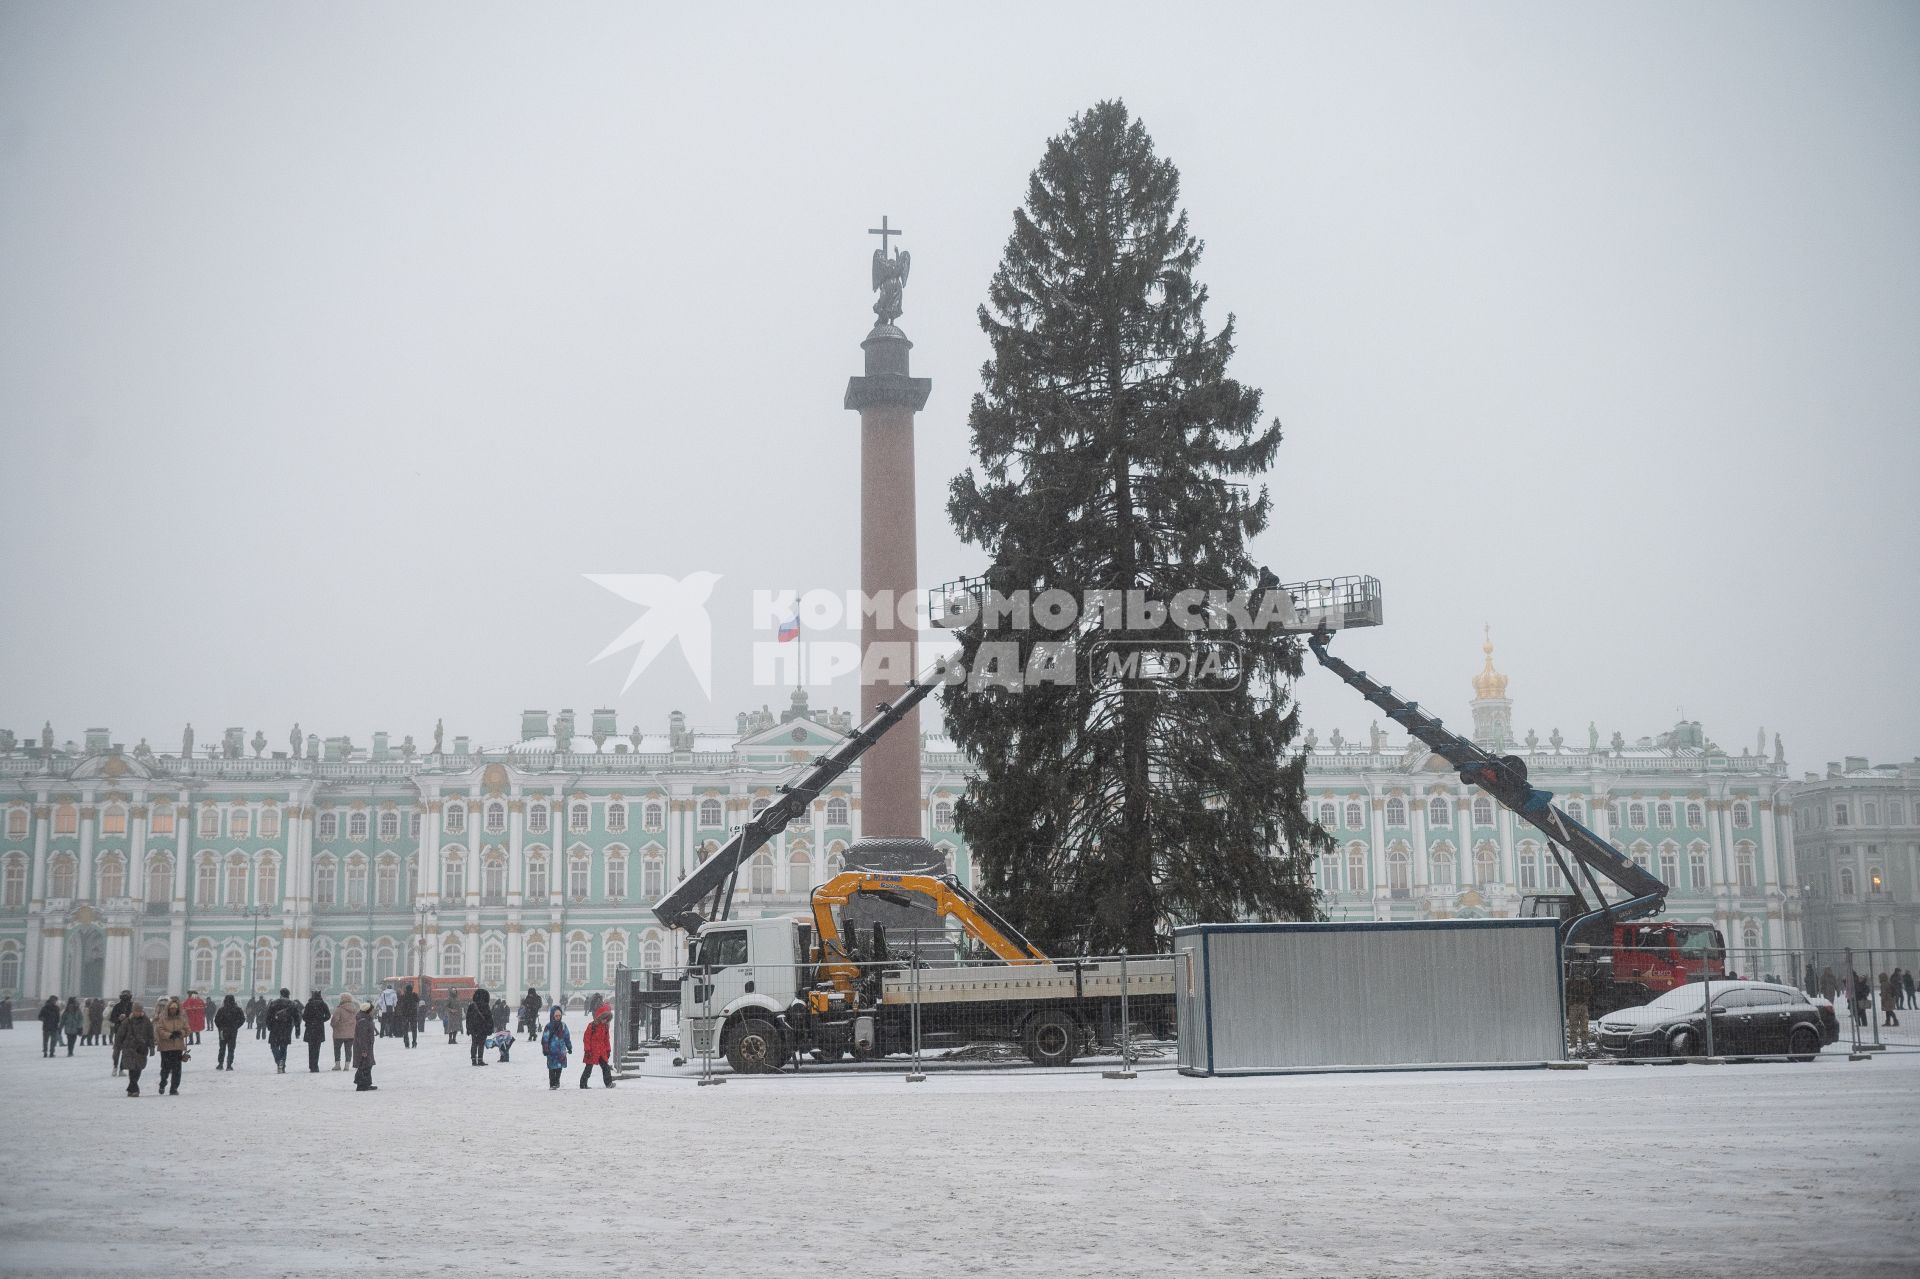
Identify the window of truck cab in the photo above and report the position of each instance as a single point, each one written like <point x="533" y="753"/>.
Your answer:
<point x="723" y="950"/>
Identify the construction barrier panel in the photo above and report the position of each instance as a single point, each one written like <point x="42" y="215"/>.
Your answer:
<point x="1264" y="998"/>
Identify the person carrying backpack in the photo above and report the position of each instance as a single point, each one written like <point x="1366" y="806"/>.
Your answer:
<point x="282" y="1019"/>
<point x="556" y="1042"/>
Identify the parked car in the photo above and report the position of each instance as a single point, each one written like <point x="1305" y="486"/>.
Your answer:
<point x="1750" y="1018"/>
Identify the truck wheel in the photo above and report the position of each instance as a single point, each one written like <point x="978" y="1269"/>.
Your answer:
<point x="753" y="1046"/>
<point x="1052" y="1038"/>
<point x="1804" y="1043"/>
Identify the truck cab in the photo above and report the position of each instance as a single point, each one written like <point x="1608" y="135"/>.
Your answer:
<point x="737" y="970"/>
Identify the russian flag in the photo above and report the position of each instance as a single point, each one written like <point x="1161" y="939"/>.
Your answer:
<point x="790" y="629"/>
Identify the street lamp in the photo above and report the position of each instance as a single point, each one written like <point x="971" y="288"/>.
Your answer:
<point x="256" y="912"/>
<point x="422" y="913"/>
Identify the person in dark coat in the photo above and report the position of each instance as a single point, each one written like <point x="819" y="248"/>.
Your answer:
<point x="133" y="1040"/>
<point x="122" y="1008"/>
<point x="363" y="1038"/>
<point x="282" y="1019"/>
<point x="450" y="1018"/>
<point x="408" y="1010"/>
<point x="49" y="1025"/>
<point x="502" y="1014"/>
<point x="6" y="1012"/>
<point x="96" y="1014"/>
<point x="257" y="1016"/>
<point x="480" y="1024"/>
<point x="315" y="1017"/>
<point x="227" y="1021"/>
<point x="530" y="1014"/>
<point x="73" y="1020"/>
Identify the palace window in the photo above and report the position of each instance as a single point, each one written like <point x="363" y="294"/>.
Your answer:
<point x="762" y="873"/>
<point x="1669" y="865"/>
<point x="456" y="819"/>
<point x="496" y="818"/>
<point x="537" y="819"/>
<point x="536" y="958"/>
<point x="1840" y="815"/>
<point x="1643" y="857"/>
<point x="614" y="955"/>
<point x="1356" y="868"/>
<point x="1529" y="859"/>
<point x="114" y="820"/>
<point x="653" y="877"/>
<point x="1694" y="815"/>
<point x="323" y="966"/>
<point x="357" y="825"/>
<point x="493" y="879"/>
<point x="799" y="872"/>
<point x="1355" y="818"/>
<point x="269" y="823"/>
<point x="326" y="882"/>
<point x="233" y="967"/>
<point x="413" y="824"/>
<point x="1437" y="815"/>
<point x="1396" y="812"/>
<point x="263" y="966"/>
<point x="9" y="967"/>
<point x="1876" y="883"/>
<point x="1663" y="816"/>
<point x="329" y="827"/>
<point x="160" y="822"/>
<point x="1869" y="813"/>
<point x="1485" y="864"/>
<point x="537" y="875"/>
<point x="1577" y="811"/>
<point x="579" y="818"/>
<point x="1743" y="865"/>
<point x="836" y="862"/>
<point x="385" y="957"/>
<point x="650" y="952"/>
<point x="66" y="820"/>
<point x="387" y="883"/>
<point x="943" y="815"/>
<point x="1329" y="816"/>
<point x="155" y="966"/>
<point x="578" y="953"/>
<point x="493" y="963"/>
<point x="1482" y="811"/>
<point x="356" y="882"/>
<point x="389" y="824"/>
<point x="1750" y="936"/>
<point x="654" y="817"/>
<point x="579" y="877"/>
<point x="1896" y="813"/>
<point x="113" y="876"/>
<point x="239" y="824"/>
<point x="1637" y="816"/>
<point x="206" y="882"/>
<point x="836" y="812"/>
<point x="203" y="966"/>
<point x="353" y="966"/>
<point x="710" y="814"/>
<point x="1846" y="881"/>
<point x="1443" y="866"/>
<point x="616" y="874"/>
<point x="1399" y="877"/>
<point x="453" y="959"/>
<point x="413" y="879"/>
<point x="616" y="817"/>
<point x="17" y="818"/>
<point x="236" y="880"/>
<point x="15" y="890"/>
<point x="1697" y="869"/>
<point x="453" y="874"/>
<point x="209" y="822"/>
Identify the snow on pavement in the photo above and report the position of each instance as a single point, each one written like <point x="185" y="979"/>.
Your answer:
<point x="1765" y="1169"/>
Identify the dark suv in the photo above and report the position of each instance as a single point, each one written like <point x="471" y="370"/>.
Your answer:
<point x="1750" y="1018"/>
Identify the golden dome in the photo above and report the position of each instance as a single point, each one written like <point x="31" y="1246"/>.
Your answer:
<point x="1489" y="683"/>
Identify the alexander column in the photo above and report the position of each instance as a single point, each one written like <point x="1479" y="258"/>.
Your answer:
<point x="887" y="397"/>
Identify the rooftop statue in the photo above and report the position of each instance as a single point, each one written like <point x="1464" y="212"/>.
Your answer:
<point x="889" y="276"/>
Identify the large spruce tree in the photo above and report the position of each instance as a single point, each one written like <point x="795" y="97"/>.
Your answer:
<point x="1111" y="448"/>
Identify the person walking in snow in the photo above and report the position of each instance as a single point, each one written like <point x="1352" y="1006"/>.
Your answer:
<point x="49" y="1025"/>
<point x="170" y="1037"/>
<point x="227" y="1021"/>
<point x="530" y="1014"/>
<point x="408" y="1011"/>
<point x="314" y="1018"/>
<point x="122" y="1009"/>
<point x="450" y="1019"/>
<point x="96" y="1013"/>
<point x="132" y="1041"/>
<point x="6" y="1012"/>
<point x="1906" y="981"/>
<point x="556" y="1042"/>
<point x="257" y="1016"/>
<point x="1889" y="1000"/>
<point x="73" y="1020"/>
<point x="363" y="1051"/>
<point x="597" y="1047"/>
<point x="479" y="1025"/>
<point x="502" y="1014"/>
<point x="196" y="1010"/>
<point x="346" y="1022"/>
<point x="281" y="1020"/>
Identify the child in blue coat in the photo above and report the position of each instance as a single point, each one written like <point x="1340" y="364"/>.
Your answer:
<point x="557" y="1043"/>
<point x="503" y="1040"/>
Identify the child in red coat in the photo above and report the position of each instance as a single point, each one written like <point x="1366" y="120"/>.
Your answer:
<point x="598" y="1043"/>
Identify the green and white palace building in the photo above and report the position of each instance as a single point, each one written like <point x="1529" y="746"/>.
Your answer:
<point x="333" y="866"/>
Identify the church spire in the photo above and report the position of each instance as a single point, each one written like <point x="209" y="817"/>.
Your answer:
<point x="1492" y="712"/>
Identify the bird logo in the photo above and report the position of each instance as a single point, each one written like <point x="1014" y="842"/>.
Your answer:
<point x="676" y="609"/>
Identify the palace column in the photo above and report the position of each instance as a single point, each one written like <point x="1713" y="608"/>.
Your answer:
<point x="516" y="889"/>
<point x="37" y="894"/>
<point x="183" y="828"/>
<point x="89" y="818"/>
<point x="1417" y="816"/>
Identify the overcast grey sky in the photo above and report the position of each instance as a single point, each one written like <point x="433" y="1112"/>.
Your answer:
<point x="338" y="342"/>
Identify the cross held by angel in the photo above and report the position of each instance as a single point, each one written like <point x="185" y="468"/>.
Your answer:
<point x="889" y="275"/>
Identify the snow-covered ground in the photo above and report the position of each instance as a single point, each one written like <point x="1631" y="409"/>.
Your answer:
<point x="1769" y="1169"/>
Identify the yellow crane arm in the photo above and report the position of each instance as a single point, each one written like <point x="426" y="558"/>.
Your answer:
<point x="949" y="898"/>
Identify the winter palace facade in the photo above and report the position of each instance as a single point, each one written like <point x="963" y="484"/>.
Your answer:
<point x="334" y="866"/>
